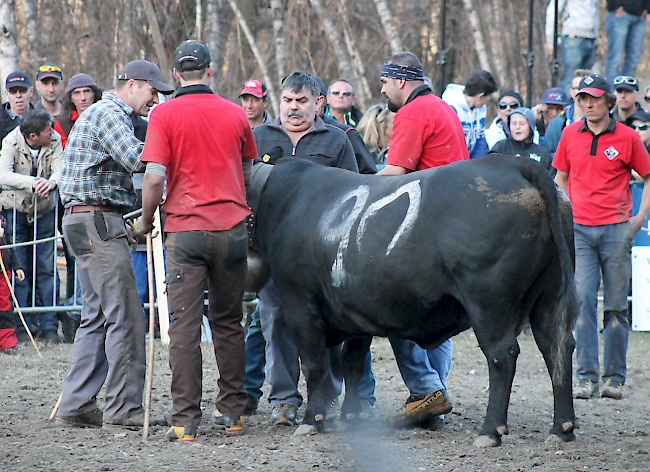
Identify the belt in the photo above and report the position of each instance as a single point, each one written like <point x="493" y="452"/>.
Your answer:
<point x="91" y="209"/>
<point x="576" y="37"/>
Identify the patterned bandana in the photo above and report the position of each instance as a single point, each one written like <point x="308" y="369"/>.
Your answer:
<point x="396" y="71"/>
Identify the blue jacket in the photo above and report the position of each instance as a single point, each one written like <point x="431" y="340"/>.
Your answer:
<point x="472" y="120"/>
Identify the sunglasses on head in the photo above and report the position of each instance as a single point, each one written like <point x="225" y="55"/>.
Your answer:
<point x="624" y="79"/>
<point x="642" y="127"/>
<point x="647" y="99"/>
<point x="49" y="69"/>
<point x="511" y="105"/>
<point x="340" y="92"/>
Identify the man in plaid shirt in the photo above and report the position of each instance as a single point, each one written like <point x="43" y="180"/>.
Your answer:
<point x="101" y="154"/>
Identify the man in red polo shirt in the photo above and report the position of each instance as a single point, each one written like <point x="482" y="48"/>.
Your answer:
<point x="426" y="133"/>
<point x="593" y="161"/>
<point x="204" y="145"/>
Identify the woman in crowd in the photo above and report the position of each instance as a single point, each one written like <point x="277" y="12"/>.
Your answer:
<point x="376" y="127"/>
<point x="521" y="124"/>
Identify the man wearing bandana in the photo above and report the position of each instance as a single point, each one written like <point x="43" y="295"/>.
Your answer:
<point x="426" y="133"/>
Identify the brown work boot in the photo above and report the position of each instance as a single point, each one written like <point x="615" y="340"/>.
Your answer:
<point x="92" y="419"/>
<point x="134" y="422"/>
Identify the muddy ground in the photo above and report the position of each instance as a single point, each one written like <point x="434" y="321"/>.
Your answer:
<point x="614" y="435"/>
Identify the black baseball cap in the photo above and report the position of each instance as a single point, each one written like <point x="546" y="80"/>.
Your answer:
<point x="594" y="85"/>
<point x="49" y="70"/>
<point x="147" y="71"/>
<point x="17" y="79"/>
<point x="626" y="82"/>
<point x="191" y="55"/>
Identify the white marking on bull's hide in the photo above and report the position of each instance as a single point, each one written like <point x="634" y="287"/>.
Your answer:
<point x="342" y="232"/>
<point x="414" y="192"/>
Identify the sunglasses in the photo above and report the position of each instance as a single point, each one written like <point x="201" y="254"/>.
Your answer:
<point x="647" y="99"/>
<point x="511" y="105"/>
<point x="15" y="90"/>
<point x="340" y="92"/>
<point x="49" y="69"/>
<point x="624" y="79"/>
<point x="642" y="127"/>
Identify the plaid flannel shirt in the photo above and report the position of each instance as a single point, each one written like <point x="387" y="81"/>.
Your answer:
<point x="100" y="156"/>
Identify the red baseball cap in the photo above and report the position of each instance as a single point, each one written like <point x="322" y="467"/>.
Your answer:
<point x="594" y="85"/>
<point x="254" y="88"/>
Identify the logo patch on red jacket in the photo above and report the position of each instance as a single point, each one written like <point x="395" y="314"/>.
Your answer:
<point x="611" y="152"/>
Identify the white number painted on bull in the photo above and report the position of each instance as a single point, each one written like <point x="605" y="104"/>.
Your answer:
<point x="414" y="192"/>
<point x="342" y="232"/>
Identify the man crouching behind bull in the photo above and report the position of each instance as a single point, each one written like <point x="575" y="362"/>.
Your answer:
<point x="426" y="133"/>
<point x="296" y="133"/>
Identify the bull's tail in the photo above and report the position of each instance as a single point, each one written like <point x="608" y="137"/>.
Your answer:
<point x="566" y="308"/>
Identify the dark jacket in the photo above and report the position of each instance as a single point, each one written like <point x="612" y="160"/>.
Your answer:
<point x="323" y="144"/>
<point x="364" y="160"/>
<point x="633" y="7"/>
<point x="7" y="124"/>
<point x="527" y="148"/>
<point x="9" y="254"/>
<point x="621" y="120"/>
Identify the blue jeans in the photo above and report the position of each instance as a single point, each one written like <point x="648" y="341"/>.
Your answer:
<point x="422" y="371"/>
<point x="625" y="35"/>
<point x="255" y="358"/>
<point x="45" y="286"/>
<point x="575" y="53"/>
<point x="602" y="248"/>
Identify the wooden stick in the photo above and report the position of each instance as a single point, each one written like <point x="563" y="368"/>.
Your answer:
<point x="20" y="313"/>
<point x="56" y="407"/>
<point x="152" y="325"/>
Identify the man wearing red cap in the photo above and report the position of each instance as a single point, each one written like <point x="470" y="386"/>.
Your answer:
<point x="254" y="102"/>
<point x="593" y="161"/>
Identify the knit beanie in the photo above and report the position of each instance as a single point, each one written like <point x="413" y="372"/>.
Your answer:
<point x="79" y="81"/>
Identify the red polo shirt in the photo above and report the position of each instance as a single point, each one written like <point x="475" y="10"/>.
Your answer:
<point x="599" y="171"/>
<point x="201" y="139"/>
<point x="426" y="133"/>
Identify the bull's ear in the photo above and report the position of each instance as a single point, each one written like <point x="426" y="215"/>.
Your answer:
<point x="259" y="272"/>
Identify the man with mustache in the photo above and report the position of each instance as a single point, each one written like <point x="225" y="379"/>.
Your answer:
<point x="96" y="187"/>
<point x="296" y="134"/>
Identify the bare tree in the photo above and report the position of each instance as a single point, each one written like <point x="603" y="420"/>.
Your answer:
<point x="30" y="12"/>
<point x="478" y="34"/>
<point x="163" y="60"/>
<point x="8" y="43"/>
<point x="214" y="41"/>
<point x="345" y="66"/>
<point x="362" y="88"/>
<point x="390" y="29"/>
<point x="278" y="35"/>
<point x="256" y="52"/>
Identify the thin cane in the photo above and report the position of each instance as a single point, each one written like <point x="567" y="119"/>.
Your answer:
<point x="152" y="321"/>
<point x="20" y="313"/>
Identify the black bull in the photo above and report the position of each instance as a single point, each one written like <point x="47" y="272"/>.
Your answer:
<point x="484" y="244"/>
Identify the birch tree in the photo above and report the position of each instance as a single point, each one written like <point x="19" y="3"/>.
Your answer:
<point x="8" y="43"/>
<point x="214" y="42"/>
<point x="345" y="66"/>
<point x="362" y="88"/>
<point x="163" y="60"/>
<point x="388" y="24"/>
<point x="474" y="20"/>
<point x="278" y="36"/>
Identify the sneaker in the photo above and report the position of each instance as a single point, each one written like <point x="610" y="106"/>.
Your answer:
<point x="585" y="389"/>
<point x="233" y="424"/>
<point x="612" y="389"/>
<point x="183" y="433"/>
<point x="134" y="422"/>
<point x="420" y="407"/>
<point x="51" y="337"/>
<point x="284" y="414"/>
<point x="92" y="419"/>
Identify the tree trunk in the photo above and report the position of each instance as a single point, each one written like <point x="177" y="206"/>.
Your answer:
<point x="214" y="41"/>
<point x="390" y="29"/>
<point x="256" y="52"/>
<point x="479" y="42"/>
<point x="278" y="35"/>
<point x="8" y="43"/>
<point x="345" y="66"/>
<point x="30" y="10"/>
<point x="362" y="89"/>
<point x="199" y="20"/>
<point x="163" y="60"/>
<point x="494" y="25"/>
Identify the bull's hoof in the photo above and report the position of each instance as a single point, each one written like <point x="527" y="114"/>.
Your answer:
<point x="486" y="441"/>
<point x="304" y="430"/>
<point x="561" y="437"/>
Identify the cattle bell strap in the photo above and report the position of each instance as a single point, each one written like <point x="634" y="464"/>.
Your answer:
<point x="397" y="71"/>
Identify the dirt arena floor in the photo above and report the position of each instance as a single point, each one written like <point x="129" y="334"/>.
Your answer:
<point x="613" y="435"/>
